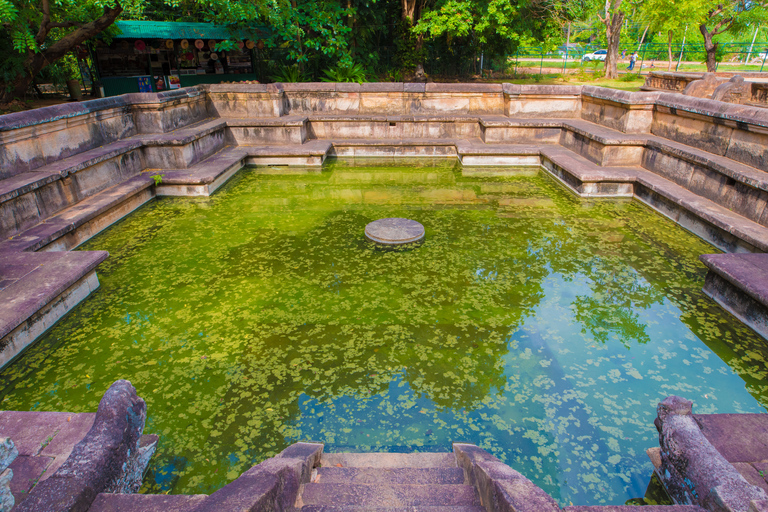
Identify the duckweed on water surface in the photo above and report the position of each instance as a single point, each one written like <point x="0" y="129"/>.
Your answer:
<point x="542" y="327"/>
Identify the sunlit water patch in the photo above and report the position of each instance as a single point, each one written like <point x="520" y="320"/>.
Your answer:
<point x="542" y="327"/>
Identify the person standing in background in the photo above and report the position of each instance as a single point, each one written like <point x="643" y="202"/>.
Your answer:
<point x="632" y="61"/>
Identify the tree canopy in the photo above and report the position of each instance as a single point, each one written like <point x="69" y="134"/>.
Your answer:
<point x="383" y="37"/>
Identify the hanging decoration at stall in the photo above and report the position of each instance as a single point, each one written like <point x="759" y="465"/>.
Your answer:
<point x="249" y="45"/>
<point x="189" y="56"/>
<point x="169" y="44"/>
<point x="139" y="45"/>
<point x="260" y="45"/>
<point x="199" y="44"/>
<point x="214" y="56"/>
<point x="240" y="45"/>
<point x="212" y="44"/>
<point x="184" y="44"/>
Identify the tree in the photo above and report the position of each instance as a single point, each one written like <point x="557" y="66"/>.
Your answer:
<point x="307" y="27"/>
<point x="40" y="32"/>
<point x="411" y="41"/>
<point x="727" y="16"/>
<point x="667" y="16"/>
<point x="496" y="27"/>
<point x="612" y="17"/>
<point x="43" y="33"/>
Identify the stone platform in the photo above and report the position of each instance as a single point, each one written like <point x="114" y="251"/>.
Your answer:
<point x="394" y="231"/>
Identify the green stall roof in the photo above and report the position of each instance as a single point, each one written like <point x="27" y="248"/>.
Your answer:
<point x="183" y="30"/>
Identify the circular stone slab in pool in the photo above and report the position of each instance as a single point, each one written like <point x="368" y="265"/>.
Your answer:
<point x="394" y="231"/>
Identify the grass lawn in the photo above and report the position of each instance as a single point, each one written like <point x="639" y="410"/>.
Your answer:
<point x="624" y="84"/>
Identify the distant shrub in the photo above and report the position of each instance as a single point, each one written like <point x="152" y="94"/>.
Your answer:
<point x="289" y="74"/>
<point x="630" y="77"/>
<point x="354" y="73"/>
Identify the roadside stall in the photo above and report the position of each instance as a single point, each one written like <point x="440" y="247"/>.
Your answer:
<point x="152" y="56"/>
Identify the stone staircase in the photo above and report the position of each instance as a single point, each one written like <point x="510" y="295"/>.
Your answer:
<point x="384" y="482"/>
<point x="304" y="479"/>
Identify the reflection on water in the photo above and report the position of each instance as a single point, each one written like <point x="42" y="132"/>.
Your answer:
<point x="541" y="327"/>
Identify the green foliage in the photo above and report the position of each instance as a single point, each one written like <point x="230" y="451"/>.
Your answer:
<point x="341" y="73"/>
<point x="409" y="50"/>
<point x="494" y="27"/>
<point x="395" y="75"/>
<point x="311" y="28"/>
<point x="21" y="32"/>
<point x="630" y="77"/>
<point x="158" y="178"/>
<point x="61" y="71"/>
<point x="289" y="74"/>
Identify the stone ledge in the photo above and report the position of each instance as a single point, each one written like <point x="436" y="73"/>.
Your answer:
<point x="748" y="272"/>
<point x="742" y="114"/>
<point x="44" y="278"/>
<point x="75" y="163"/>
<point x="108" y="502"/>
<point x="24" y="183"/>
<point x="68" y="110"/>
<point x="76" y="215"/>
<point x="541" y="90"/>
<point x="271" y="485"/>
<point x="631" y="99"/>
<point x="182" y="136"/>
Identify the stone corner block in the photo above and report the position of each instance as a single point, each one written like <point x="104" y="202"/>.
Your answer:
<point x="692" y="470"/>
<point x="111" y="456"/>
<point x="271" y="485"/>
<point x="501" y="487"/>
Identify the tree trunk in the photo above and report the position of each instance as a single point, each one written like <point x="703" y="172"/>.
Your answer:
<point x="669" y="50"/>
<point x="411" y="15"/>
<point x="613" y="35"/>
<point x="409" y="11"/>
<point x="351" y="24"/>
<point x="36" y="62"/>
<point x="710" y="47"/>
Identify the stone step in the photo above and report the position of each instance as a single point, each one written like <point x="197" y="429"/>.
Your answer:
<point x="342" y="508"/>
<point x="95" y="212"/>
<point x="415" y="476"/>
<point x="389" y="460"/>
<point x="106" y="502"/>
<point x="387" y="496"/>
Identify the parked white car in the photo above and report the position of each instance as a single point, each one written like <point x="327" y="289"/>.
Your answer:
<point x="598" y="55"/>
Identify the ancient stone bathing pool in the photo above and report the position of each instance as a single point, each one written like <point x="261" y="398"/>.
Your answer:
<point x="542" y="327"/>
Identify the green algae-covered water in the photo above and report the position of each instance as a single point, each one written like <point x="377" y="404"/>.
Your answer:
<point x="540" y="326"/>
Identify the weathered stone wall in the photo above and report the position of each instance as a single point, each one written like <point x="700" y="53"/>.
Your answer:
<point x="628" y="112"/>
<point x="542" y="101"/>
<point x="272" y="100"/>
<point x="32" y="139"/>
<point x="737" y="132"/>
